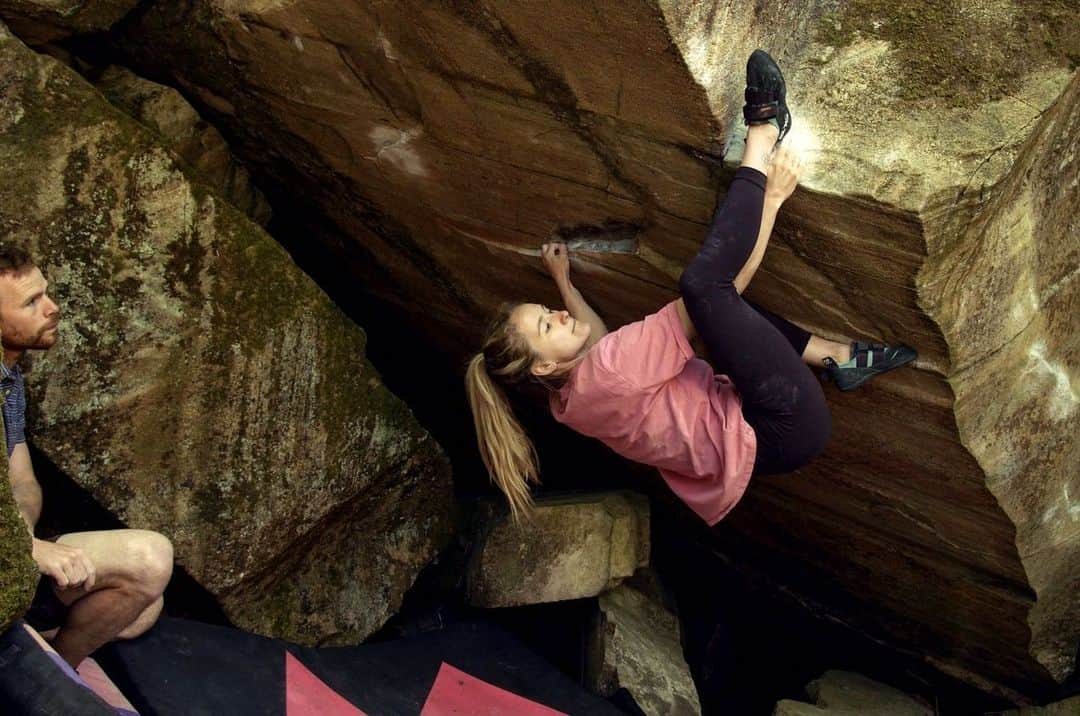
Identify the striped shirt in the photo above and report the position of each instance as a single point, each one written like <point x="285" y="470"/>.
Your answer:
<point x="11" y="383"/>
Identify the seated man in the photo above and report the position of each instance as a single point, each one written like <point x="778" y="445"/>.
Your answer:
<point x="99" y="586"/>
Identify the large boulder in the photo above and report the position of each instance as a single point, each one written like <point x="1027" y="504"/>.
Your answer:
<point x="442" y="142"/>
<point x="18" y="573"/>
<point x="203" y="386"/>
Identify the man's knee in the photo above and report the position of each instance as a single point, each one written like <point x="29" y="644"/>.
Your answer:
<point x="144" y="621"/>
<point x="152" y="561"/>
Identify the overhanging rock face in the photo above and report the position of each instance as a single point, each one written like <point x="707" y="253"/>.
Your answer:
<point x="443" y="142"/>
<point x="204" y="386"/>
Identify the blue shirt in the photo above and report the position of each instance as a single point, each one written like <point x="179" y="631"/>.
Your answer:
<point x="11" y="383"/>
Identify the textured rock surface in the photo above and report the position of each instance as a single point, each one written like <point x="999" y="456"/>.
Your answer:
<point x="843" y="693"/>
<point x="635" y="645"/>
<point x="18" y="573"/>
<point x="39" y="21"/>
<point x="165" y="110"/>
<point x="1068" y="707"/>
<point x="203" y="386"/>
<point x="573" y="547"/>
<point x="442" y="142"/>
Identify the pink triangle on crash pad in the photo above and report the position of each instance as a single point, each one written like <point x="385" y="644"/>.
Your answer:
<point x="456" y="693"/>
<point x="307" y="694"/>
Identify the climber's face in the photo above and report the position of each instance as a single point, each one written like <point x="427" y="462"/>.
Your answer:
<point x="28" y="317"/>
<point x="555" y="336"/>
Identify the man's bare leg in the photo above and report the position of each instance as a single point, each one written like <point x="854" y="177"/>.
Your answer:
<point x="133" y="568"/>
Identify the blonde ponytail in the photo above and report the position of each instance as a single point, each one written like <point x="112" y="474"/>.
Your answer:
<point x="505" y="448"/>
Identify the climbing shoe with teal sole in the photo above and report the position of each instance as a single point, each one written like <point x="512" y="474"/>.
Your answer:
<point x="867" y="360"/>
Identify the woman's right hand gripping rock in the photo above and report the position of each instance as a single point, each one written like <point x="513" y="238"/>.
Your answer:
<point x="556" y="260"/>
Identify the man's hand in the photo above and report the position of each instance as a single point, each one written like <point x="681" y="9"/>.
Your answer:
<point x="783" y="175"/>
<point x="556" y="260"/>
<point x="68" y="566"/>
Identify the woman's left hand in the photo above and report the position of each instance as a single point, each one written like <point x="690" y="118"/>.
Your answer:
<point x="556" y="259"/>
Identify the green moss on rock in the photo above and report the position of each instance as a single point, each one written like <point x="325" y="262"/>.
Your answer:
<point x="18" y="573"/>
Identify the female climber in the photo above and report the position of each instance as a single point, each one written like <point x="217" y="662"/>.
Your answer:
<point x="640" y="389"/>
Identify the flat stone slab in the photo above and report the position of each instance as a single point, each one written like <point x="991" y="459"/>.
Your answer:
<point x="571" y="548"/>
<point x="845" y="693"/>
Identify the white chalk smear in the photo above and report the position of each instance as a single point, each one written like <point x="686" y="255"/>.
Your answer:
<point x="1061" y="398"/>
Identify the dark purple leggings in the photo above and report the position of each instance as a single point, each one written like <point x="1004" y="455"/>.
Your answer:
<point x="761" y="352"/>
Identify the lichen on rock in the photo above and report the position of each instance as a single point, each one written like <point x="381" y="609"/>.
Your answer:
<point x="165" y="111"/>
<point x="18" y="573"/>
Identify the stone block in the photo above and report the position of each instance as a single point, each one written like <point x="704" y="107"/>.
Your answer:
<point x="635" y="645"/>
<point x="844" y="693"/>
<point x="572" y="547"/>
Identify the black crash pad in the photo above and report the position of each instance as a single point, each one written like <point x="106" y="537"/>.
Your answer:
<point x="189" y="668"/>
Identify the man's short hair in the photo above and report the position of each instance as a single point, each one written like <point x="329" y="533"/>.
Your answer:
<point x="14" y="260"/>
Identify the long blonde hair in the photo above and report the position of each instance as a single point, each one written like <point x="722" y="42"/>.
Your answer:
<point x="507" y="451"/>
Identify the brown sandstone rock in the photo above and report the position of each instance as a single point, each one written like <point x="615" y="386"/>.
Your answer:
<point x="164" y="110"/>
<point x="443" y="142"/>
<point x="635" y="645"/>
<point x="203" y="386"/>
<point x="573" y="547"/>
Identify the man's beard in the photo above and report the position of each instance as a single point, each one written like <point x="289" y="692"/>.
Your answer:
<point x="42" y="341"/>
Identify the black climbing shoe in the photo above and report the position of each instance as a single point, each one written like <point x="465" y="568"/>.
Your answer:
<point x="766" y="94"/>
<point x="867" y="360"/>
